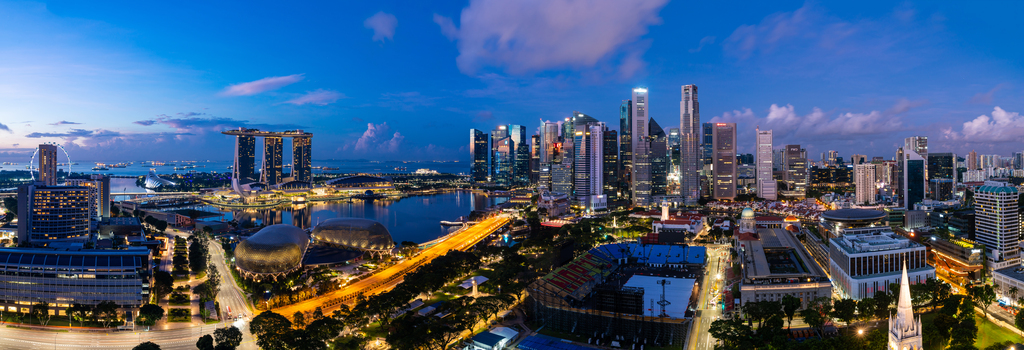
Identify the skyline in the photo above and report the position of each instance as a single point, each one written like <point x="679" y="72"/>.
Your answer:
<point x="403" y="82"/>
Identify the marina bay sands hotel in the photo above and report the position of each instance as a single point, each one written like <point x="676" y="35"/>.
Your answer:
<point x="270" y="173"/>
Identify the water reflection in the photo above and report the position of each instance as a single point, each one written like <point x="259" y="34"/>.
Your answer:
<point x="414" y="219"/>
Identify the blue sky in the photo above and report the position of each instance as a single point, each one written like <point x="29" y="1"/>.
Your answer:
<point x="406" y="80"/>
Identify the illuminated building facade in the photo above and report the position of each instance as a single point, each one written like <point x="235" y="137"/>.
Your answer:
<point x="51" y="214"/>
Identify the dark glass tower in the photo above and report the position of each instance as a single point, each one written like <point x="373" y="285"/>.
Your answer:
<point x="625" y="146"/>
<point x="271" y="173"/>
<point x="521" y="157"/>
<point x="245" y="157"/>
<point x="478" y="152"/>
<point x="535" y="160"/>
<point x="611" y="163"/>
<point x="659" y="159"/>
<point x="302" y="167"/>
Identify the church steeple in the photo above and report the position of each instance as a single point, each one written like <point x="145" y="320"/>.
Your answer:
<point x="904" y="330"/>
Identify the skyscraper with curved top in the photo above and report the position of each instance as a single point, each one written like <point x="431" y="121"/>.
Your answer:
<point x="640" y="149"/>
<point x="689" y="144"/>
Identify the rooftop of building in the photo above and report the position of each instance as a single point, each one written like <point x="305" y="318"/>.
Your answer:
<point x="1013" y="272"/>
<point x="124" y="221"/>
<point x="880" y="239"/>
<point x="775" y="254"/>
<point x="996" y="187"/>
<point x="853" y="215"/>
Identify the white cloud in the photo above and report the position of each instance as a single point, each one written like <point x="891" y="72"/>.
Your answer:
<point x="1002" y="126"/>
<point x="376" y="140"/>
<point x="536" y="35"/>
<point x="787" y="124"/>
<point x="383" y="25"/>
<point x="319" y="97"/>
<point x="262" y="85"/>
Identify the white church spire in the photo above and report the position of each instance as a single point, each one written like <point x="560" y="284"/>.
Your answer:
<point x="904" y="329"/>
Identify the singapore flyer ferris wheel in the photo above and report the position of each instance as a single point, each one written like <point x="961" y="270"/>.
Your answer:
<point x="33" y="166"/>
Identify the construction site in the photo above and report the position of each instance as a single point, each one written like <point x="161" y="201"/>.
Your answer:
<point x="624" y="295"/>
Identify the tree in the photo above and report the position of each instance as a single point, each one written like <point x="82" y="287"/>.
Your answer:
<point x="733" y="333"/>
<point x="882" y="303"/>
<point x="80" y="313"/>
<point x="205" y="342"/>
<point x="147" y="346"/>
<point x="41" y="311"/>
<point x="198" y="255"/>
<point x="105" y="312"/>
<point x="149" y="314"/>
<point x="1013" y="293"/>
<point x="299" y="319"/>
<point x="866" y="309"/>
<point x="789" y="306"/>
<point x="163" y="284"/>
<point x="817" y="313"/>
<point x="983" y="296"/>
<point x="270" y="329"/>
<point x="964" y="333"/>
<point x="229" y="337"/>
<point x="11" y="203"/>
<point x="845" y="310"/>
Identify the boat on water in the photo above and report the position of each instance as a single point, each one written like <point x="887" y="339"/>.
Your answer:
<point x="100" y="168"/>
<point x="330" y="168"/>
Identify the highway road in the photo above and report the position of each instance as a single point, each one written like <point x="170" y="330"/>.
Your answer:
<point x="700" y="338"/>
<point x="391" y="276"/>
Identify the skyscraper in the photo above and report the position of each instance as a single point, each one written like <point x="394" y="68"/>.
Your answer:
<point x="864" y="180"/>
<point x="535" y="160"/>
<point x="997" y="223"/>
<point x="674" y="155"/>
<point x="689" y="144"/>
<point x="550" y="155"/>
<point x="501" y="161"/>
<point x="625" y="147"/>
<point x="521" y="157"/>
<point x="724" y="170"/>
<point x="500" y="132"/>
<point x="99" y="196"/>
<point x="641" y="174"/>
<point x="302" y="165"/>
<point x="48" y="164"/>
<point x="829" y="158"/>
<point x="245" y="157"/>
<point x="858" y="159"/>
<point x="611" y="163"/>
<point x="796" y="171"/>
<point x="972" y="161"/>
<point x="659" y="159"/>
<point x="478" y="154"/>
<point x="918" y="144"/>
<point x="941" y="166"/>
<point x="914" y="182"/>
<point x="589" y="163"/>
<point x="765" y="181"/>
<point x="50" y="214"/>
<point x="271" y="172"/>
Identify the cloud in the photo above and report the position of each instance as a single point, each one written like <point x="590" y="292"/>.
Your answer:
<point x="376" y="140"/>
<point x="986" y="98"/>
<point x="904" y="105"/>
<point x="262" y="85"/>
<point x="318" y="97"/>
<point x="524" y="37"/>
<point x="708" y="40"/>
<point x="73" y="133"/>
<point x="383" y="25"/>
<point x="64" y="122"/>
<point x="1002" y="126"/>
<point x="145" y="122"/>
<point x="5" y="128"/>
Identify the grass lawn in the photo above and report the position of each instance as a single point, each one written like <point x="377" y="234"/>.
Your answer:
<point x="990" y="333"/>
<point x="179" y="315"/>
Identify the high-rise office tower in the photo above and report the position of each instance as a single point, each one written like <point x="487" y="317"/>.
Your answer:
<point x="674" y="155"/>
<point x="864" y="180"/>
<point x="972" y="161"/>
<point x="659" y="159"/>
<point x="302" y="164"/>
<point x="625" y="147"/>
<point x="479" y="150"/>
<point x="521" y="161"/>
<point x="589" y="162"/>
<point x="497" y="134"/>
<point x="51" y="214"/>
<point x="551" y="152"/>
<point x="689" y="144"/>
<point x="997" y="223"/>
<point x="245" y="158"/>
<point x="48" y="164"/>
<point x="796" y="171"/>
<point x="707" y="158"/>
<point x="501" y="161"/>
<point x="829" y="158"/>
<point x="724" y="170"/>
<point x="766" y="185"/>
<point x="914" y="182"/>
<point x="271" y="172"/>
<point x="858" y="159"/>
<point x="535" y="160"/>
<point x="611" y="163"/>
<point x="918" y="144"/>
<point x="673" y="137"/>
<point x="941" y="166"/>
<point x="641" y="173"/>
<point x="898" y="178"/>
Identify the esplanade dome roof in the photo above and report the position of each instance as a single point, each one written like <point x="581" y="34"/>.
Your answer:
<point x="354" y="233"/>
<point x="274" y="249"/>
<point x="747" y="213"/>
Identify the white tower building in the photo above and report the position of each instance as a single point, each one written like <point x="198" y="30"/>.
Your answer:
<point x="864" y="179"/>
<point x="904" y="329"/>
<point x="689" y="149"/>
<point x="641" y="186"/>
<point x="765" y="181"/>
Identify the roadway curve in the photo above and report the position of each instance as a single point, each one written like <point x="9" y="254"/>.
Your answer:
<point x="392" y="276"/>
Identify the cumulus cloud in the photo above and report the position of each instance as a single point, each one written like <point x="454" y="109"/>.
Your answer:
<point x="378" y="139"/>
<point x="708" y="40"/>
<point x="536" y="35"/>
<point x="73" y="133"/>
<point x="262" y="85"/>
<point x="64" y="122"/>
<point x="383" y="26"/>
<point x="319" y="97"/>
<point x="4" y="127"/>
<point x="1002" y="126"/>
